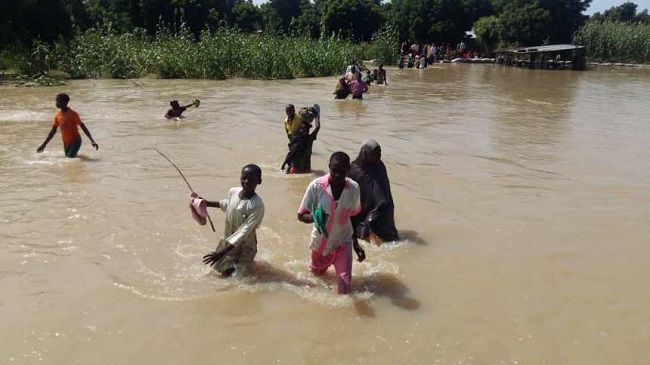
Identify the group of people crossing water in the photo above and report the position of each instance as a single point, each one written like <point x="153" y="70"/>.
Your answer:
<point x="352" y="201"/>
<point x="353" y="82"/>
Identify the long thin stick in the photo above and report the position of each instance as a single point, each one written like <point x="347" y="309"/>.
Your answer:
<point x="186" y="182"/>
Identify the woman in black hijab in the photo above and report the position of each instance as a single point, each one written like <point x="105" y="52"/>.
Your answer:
<point x="376" y="220"/>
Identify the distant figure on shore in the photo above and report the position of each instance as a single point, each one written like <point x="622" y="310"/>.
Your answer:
<point x="177" y="110"/>
<point x="244" y="212"/>
<point x="375" y="222"/>
<point x="329" y="203"/>
<point x="69" y="122"/>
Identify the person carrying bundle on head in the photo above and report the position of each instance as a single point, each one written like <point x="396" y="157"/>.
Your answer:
<point x="298" y="159"/>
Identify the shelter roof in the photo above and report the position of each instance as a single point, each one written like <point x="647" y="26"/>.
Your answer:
<point x="549" y="48"/>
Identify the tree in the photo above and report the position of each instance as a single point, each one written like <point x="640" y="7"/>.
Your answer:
<point x="278" y="14"/>
<point x="436" y="20"/>
<point x="309" y="22"/>
<point x="626" y="12"/>
<point x="21" y="21"/>
<point x="487" y="30"/>
<point x="523" y="24"/>
<point x="247" y="16"/>
<point x="565" y="18"/>
<point x="356" y="19"/>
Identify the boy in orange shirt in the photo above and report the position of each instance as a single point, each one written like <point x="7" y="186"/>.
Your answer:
<point x="68" y="120"/>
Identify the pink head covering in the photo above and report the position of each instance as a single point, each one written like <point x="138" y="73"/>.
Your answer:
<point x="199" y="208"/>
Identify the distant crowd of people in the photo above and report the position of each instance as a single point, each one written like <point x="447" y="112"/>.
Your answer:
<point x="419" y="56"/>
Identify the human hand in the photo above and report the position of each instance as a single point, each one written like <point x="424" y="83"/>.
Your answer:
<point x="212" y="257"/>
<point x="95" y="145"/>
<point x="40" y="149"/>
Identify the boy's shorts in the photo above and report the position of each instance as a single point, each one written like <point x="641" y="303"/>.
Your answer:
<point x="72" y="149"/>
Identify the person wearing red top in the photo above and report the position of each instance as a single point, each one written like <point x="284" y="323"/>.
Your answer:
<point x="68" y="120"/>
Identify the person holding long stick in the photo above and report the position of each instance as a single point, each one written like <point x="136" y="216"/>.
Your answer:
<point x="244" y="212"/>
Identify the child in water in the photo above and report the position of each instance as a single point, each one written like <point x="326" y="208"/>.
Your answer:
<point x="329" y="203"/>
<point x="244" y="212"/>
<point x="68" y="120"/>
<point x="177" y="110"/>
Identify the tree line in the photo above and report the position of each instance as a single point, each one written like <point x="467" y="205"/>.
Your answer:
<point x="502" y="21"/>
<point x="496" y="23"/>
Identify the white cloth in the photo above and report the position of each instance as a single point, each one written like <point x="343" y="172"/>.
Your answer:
<point x="243" y="217"/>
<point x="338" y="226"/>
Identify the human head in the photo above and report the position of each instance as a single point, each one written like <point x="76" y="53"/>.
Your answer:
<point x="174" y="104"/>
<point x="62" y="100"/>
<point x="251" y="176"/>
<point x="339" y="166"/>
<point x="290" y="110"/>
<point x="370" y="152"/>
<point x="381" y="66"/>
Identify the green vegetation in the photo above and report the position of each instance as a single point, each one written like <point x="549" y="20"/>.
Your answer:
<point x="616" y="42"/>
<point x="225" y="53"/>
<point x="286" y="38"/>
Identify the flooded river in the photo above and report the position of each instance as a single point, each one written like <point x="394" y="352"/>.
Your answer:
<point x="523" y="198"/>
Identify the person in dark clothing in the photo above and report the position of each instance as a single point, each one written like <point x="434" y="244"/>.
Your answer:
<point x="342" y="89"/>
<point x="376" y="220"/>
<point x="298" y="159"/>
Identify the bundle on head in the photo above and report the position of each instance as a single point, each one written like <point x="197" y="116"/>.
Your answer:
<point x="307" y="114"/>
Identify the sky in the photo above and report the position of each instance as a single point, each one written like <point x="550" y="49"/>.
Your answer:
<point x="602" y="5"/>
<point x="596" y="5"/>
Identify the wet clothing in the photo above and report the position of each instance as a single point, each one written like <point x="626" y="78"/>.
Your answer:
<point x="331" y="235"/>
<point x="336" y="228"/>
<point x="299" y="156"/>
<point x="358" y="87"/>
<point x="342" y="91"/>
<point x="175" y="113"/>
<point x="291" y="125"/>
<point x="341" y="258"/>
<point x="72" y="149"/>
<point x="243" y="217"/>
<point x="377" y="207"/>
<point x="68" y="122"/>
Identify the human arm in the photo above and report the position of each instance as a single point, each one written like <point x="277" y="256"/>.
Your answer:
<point x="87" y="132"/>
<point x="361" y="253"/>
<point x="213" y="204"/>
<point x="314" y="133"/>
<point x="47" y="139"/>
<point x="305" y="211"/>
<point x="354" y="211"/>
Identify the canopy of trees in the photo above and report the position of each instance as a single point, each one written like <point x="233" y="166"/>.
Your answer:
<point x="626" y="12"/>
<point x="495" y="22"/>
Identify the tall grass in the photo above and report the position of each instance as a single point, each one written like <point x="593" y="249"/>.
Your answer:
<point x="615" y="42"/>
<point x="222" y="54"/>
